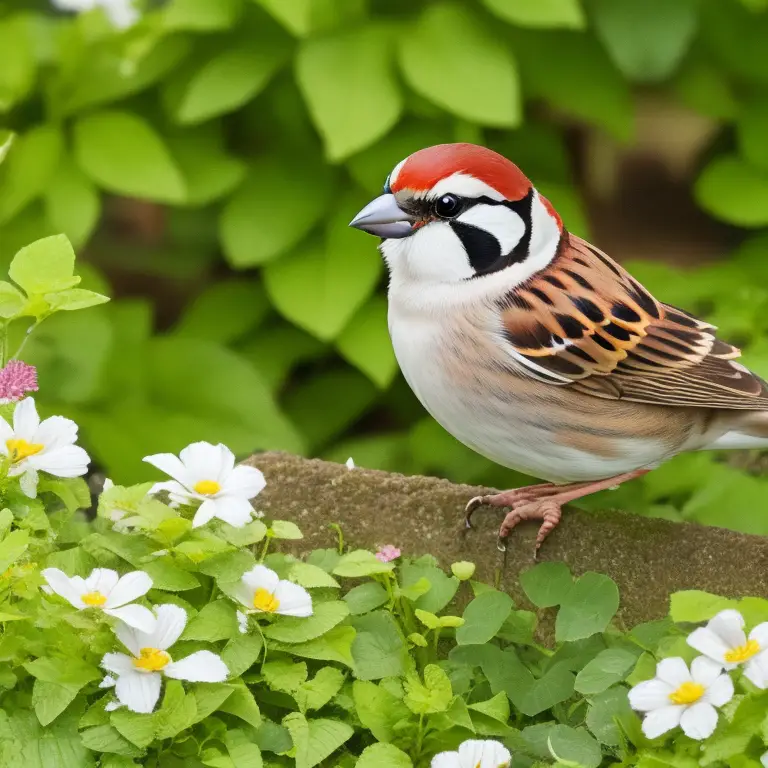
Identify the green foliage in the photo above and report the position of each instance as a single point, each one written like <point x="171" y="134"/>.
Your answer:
<point x="209" y="158"/>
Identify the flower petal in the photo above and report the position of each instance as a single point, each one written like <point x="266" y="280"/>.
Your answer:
<point x="56" y="432"/>
<point x="242" y="622"/>
<point x="65" y="587"/>
<point x="720" y="691"/>
<point x="233" y="510"/>
<point x="117" y="663"/>
<point x="139" y="691"/>
<point x="130" y="587"/>
<point x="662" y="720"/>
<point x="760" y="633"/>
<point x="705" y="671"/>
<point x="172" y="466"/>
<point x="171" y="620"/>
<point x="260" y="577"/>
<point x="6" y="433"/>
<point x="25" y="419"/>
<point x="172" y="487"/>
<point x="28" y="482"/>
<point x="198" y="667"/>
<point x="244" y="594"/>
<point x="699" y="721"/>
<point x="136" y="616"/>
<point x="652" y="694"/>
<point x="294" y="600"/>
<point x="107" y="682"/>
<point x="756" y="670"/>
<point x="447" y="760"/>
<point x="102" y="580"/>
<point x="205" y="513"/>
<point x="111" y="706"/>
<point x="132" y="639"/>
<point x="705" y="641"/>
<point x="67" y="461"/>
<point x="204" y="461"/>
<point x="485" y="754"/>
<point x="245" y="482"/>
<point x="673" y="671"/>
<point x="729" y="625"/>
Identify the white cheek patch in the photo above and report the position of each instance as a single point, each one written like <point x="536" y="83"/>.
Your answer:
<point x="498" y="220"/>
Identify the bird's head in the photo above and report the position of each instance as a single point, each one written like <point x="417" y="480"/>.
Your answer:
<point x="453" y="212"/>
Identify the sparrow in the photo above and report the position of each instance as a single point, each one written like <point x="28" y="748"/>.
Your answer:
<point x="536" y="349"/>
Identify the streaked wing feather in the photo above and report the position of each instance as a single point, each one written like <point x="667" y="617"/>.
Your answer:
<point x="585" y="322"/>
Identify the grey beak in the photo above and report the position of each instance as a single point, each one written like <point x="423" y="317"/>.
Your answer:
<point x="383" y="217"/>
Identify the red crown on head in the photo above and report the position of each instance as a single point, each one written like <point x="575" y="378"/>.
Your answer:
<point x="423" y="169"/>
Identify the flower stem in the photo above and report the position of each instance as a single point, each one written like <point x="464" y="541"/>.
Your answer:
<point x="265" y="548"/>
<point x="25" y="339"/>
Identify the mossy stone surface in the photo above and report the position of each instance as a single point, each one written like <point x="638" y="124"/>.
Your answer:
<point x="648" y="558"/>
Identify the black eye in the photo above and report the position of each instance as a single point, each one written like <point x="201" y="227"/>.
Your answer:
<point x="447" y="206"/>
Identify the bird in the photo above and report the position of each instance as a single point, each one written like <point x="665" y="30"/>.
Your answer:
<point x="535" y="348"/>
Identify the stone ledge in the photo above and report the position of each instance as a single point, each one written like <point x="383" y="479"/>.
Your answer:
<point x="648" y="558"/>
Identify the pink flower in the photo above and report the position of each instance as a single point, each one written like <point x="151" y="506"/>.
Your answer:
<point x="16" y="379"/>
<point x="387" y="553"/>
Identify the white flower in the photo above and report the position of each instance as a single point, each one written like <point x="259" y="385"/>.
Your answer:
<point x="474" y="754"/>
<point x="138" y="676"/>
<point x="764" y="760"/>
<point x="207" y="473"/>
<point x="242" y="622"/>
<point x="261" y="590"/>
<point x="106" y="591"/>
<point x="121" y="13"/>
<point x="679" y="697"/>
<point x="350" y="463"/>
<point x="31" y="446"/>
<point x="724" y="641"/>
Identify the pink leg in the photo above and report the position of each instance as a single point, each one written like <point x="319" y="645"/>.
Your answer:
<point x="543" y="502"/>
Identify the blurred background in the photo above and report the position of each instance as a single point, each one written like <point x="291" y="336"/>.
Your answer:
<point x="205" y="157"/>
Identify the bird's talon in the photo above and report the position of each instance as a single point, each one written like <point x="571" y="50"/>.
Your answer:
<point x="500" y="545"/>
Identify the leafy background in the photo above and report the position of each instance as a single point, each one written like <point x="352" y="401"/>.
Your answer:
<point x="206" y="162"/>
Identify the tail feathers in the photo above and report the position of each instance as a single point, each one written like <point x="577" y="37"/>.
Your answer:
<point x="751" y="432"/>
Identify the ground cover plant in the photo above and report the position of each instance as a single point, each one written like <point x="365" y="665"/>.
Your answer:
<point x="173" y="627"/>
<point x="205" y="156"/>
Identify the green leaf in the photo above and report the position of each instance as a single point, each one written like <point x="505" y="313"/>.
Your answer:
<point x="311" y="576"/>
<point x="12" y="547"/>
<point x="547" y="584"/>
<point x="123" y="154"/>
<point x="72" y="203"/>
<point x="74" y="298"/>
<point x="315" y="740"/>
<point x="442" y="586"/>
<point x="484" y="617"/>
<point x="224" y="312"/>
<point x="366" y="344"/>
<point x="366" y="597"/>
<point x="284" y="529"/>
<point x="242" y="750"/>
<point x="210" y="697"/>
<point x="379" y="649"/>
<point x="6" y="142"/>
<point x="17" y="75"/>
<point x="137" y="728"/>
<point x="752" y="126"/>
<point x="610" y="717"/>
<point x="215" y="621"/>
<point x="177" y="712"/>
<point x="734" y="191"/>
<point x="105" y="738"/>
<point x="284" y="675"/>
<point x="379" y="711"/>
<point x="433" y="695"/>
<point x="201" y="15"/>
<point x="352" y="106"/>
<point x="360" y="562"/>
<point x="242" y="704"/>
<point x="45" y="266"/>
<point x="31" y="162"/>
<point x="317" y="692"/>
<point x="497" y="708"/>
<point x="695" y="605"/>
<point x="573" y="746"/>
<point x="645" y="40"/>
<point x="49" y="700"/>
<point x="241" y="653"/>
<point x="608" y="667"/>
<point x="451" y="58"/>
<point x="588" y="608"/>
<point x="383" y="756"/>
<point x="227" y="80"/>
<point x="321" y="288"/>
<point x="335" y="645"/>
<point x="541" y="13"/>
<point x="279" y="202"/>
<point x="290" y="629"/>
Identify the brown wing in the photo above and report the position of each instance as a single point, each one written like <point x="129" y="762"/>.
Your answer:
<point x="585" y="322"/>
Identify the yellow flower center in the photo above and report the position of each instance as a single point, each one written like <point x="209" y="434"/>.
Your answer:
<point x="264" y="600"/>
<point x="151" y="659"/>
<point x="743" y="652"/>
<point x="687" y="693"/>
<point x="94" y="599"/>
<point x="206" y="487"/>
<point x="19" y="449"/>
